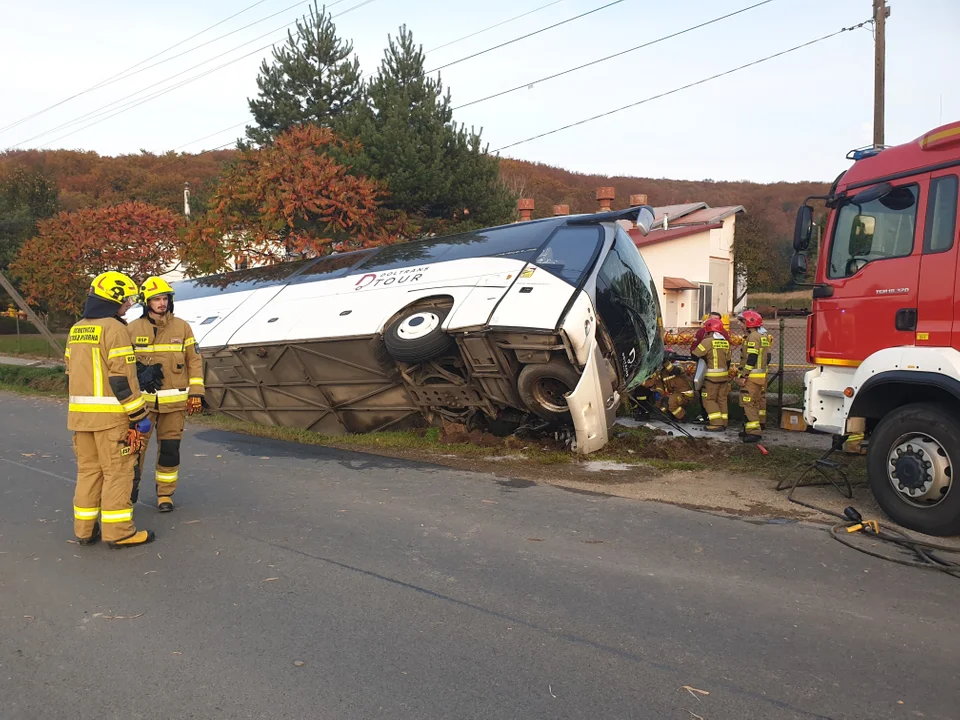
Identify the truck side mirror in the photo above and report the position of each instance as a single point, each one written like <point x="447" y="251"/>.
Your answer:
<point x="803" y="228"/>
<point x="798" y="265"/>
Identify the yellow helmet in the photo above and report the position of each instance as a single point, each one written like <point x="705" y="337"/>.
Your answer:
<point x="114" y="286"/>
<point x="154" y="286"/>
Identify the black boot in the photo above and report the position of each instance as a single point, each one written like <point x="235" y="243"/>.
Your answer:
<point x="93" y="539"/>
<point x="750" y="439"/>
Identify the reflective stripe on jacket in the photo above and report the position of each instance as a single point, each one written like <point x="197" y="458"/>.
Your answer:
<point x="102" y="371"/>
<point x="755" y="347"/>
<point x="169" y="342"/>
<point x="715" y="350"/>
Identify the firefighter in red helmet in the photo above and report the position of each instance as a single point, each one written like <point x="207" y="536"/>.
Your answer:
<point x="753" y="375"/>
<point x="715" y="350"/>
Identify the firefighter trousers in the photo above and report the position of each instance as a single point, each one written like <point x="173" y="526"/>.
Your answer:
<point x="714" y="396"/>
<point x="105" y="466"/>
<point x="678" y="401"/>
<point x="753" y="400"/>
<point x="168" y="428"/>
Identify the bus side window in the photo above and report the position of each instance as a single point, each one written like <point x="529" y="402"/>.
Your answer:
<point x="941" y="223"/>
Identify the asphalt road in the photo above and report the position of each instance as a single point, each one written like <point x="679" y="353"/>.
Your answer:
<point x="298" y="582"/>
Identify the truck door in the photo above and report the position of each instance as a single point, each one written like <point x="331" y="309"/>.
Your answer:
<point x="938" y="266"/>
<point x="870" y="271"/>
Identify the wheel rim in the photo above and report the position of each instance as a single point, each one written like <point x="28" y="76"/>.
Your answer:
<point x="549" y="392"/>
<point x="920" y="470"/>
<point x="418" y="325"/>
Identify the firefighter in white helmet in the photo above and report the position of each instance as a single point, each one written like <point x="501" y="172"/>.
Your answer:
<point x="107" y="415"/>
<point x="172" y="373"/>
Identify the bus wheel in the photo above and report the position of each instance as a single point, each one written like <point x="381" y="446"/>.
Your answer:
<point x="417" y="335"/>
<point x="910" y="467"/>
<point x="542" y="388"/>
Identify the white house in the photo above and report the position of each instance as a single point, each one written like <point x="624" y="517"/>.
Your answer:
<point x="690" y="256"/>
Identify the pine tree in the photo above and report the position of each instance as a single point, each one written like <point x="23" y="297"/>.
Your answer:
<point x="312" y="79"/>
<point x="433" y="169"/>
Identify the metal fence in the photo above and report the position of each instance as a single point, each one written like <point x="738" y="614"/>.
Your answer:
<point x="788" y="361"/>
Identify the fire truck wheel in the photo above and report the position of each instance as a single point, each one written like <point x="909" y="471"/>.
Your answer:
<point x="417" y="335"/>
<point x="542" y="388"/>
<point x="911" y="463"/>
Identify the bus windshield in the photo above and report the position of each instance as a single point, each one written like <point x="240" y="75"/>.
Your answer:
<point x="627" y="303"/>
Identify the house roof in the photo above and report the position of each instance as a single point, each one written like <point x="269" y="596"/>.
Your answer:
<point x="708" y="215"/>
<point x="659" y="236"/>
<point x="674" y="283"/>
<point x="676" y="211"/>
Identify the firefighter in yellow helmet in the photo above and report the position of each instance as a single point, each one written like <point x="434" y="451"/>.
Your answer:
<point x="107" y="415"/>
<point x="715" y="350"/>
<point x="172" y="374"/>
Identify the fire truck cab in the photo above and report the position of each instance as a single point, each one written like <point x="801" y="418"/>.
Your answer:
<point x="884" y="333"/>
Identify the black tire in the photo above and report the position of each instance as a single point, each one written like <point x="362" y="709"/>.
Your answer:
<point x="406" y="346"/>
<point x="541" y="389"/>
<point x="938" y="423"/>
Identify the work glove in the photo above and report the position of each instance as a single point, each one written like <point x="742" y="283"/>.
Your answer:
<point x="194" y="404"/>
<point x="150" y="377"/>
<point x="135" y="433"/>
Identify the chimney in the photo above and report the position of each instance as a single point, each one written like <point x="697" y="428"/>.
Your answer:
<point x="186" y="199"/>
<point x="605" y="196"/>
<point x="525" y="206"/>
<point x="640" y="199"/>
<point x="561" y="210"/>
<point x="666" y="222"/>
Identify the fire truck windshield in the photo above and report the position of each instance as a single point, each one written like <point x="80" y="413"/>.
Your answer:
<point x="875" y="230"/>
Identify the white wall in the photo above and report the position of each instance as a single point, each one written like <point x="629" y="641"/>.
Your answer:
<point x="687" y="258"/>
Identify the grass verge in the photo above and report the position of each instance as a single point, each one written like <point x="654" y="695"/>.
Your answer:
<point x="34" y="381"/>
<point x="31" y="345"/>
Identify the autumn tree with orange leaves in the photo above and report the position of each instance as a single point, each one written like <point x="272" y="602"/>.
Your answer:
<point x="54" y="268"/>
<point x="292" y="196"/>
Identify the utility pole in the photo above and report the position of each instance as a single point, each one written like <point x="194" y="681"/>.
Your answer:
<point x="32" y="316"/>
<point x="880" y="14"/>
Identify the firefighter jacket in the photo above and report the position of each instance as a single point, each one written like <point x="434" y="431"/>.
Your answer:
<point x="715" y="350"/>
<point x="675" y="380"/>
<point x="169" y="342"/>
<point x="756" y="348"/>
<point x="102" y="370"/>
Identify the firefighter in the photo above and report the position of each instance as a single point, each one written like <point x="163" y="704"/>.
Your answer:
<point x="715" y="350"/>
<point x="107" y="415"/>
<point x="702" y="331"/>
<point x="753" y="375"/>
<point x="166" y="349"/>
<point x="679" y="387"/>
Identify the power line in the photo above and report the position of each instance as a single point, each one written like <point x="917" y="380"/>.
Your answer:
<point x="108" y="109"/>
<point x="221" y="37"/>
<point x="105" y="112"/>
<point x="213" y="134"/>
<point x="684" y="87"/>
<point x="555" y="75"/>
<point x="491" y="27"/>
<point x="112" y="78"/>
<point x="615" y="55"/>
<point x="524" y="37"/>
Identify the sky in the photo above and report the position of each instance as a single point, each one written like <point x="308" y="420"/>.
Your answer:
<point x="792" y="118"/>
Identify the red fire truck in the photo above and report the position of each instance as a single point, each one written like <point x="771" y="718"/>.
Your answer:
<point x="885" y="329"/>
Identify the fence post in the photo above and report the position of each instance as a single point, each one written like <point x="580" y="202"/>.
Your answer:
<point x="783" y="335"/>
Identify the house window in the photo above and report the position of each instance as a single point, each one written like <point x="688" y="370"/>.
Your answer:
<point x="706" y="300"/>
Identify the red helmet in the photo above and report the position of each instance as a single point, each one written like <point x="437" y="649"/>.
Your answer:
<point x="751" y="319"/>
<point x="713" y="325"/>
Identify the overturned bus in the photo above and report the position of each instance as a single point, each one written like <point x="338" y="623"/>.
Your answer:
<point x="541" y="325"/>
